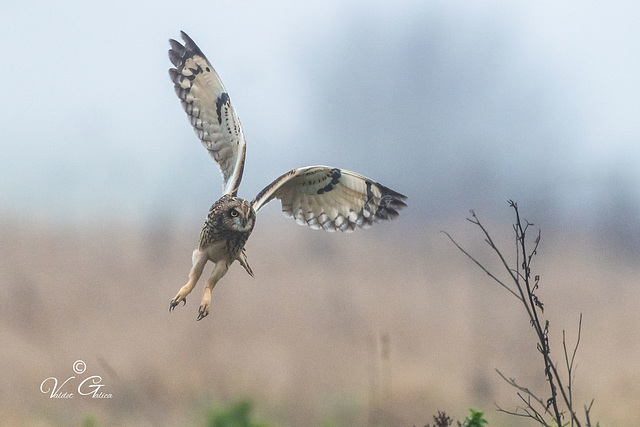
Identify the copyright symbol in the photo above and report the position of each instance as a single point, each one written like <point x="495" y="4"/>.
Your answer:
<point x="79" y="366"/>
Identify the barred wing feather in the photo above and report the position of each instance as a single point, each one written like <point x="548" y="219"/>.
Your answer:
<point x="207" y="104"/>
<point x="332" y="199"/>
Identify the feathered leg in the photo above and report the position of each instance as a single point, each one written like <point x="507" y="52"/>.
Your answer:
<point x="218" y="271"/>
<point x="199" y="260"/>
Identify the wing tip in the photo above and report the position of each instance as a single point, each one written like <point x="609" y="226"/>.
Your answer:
<point x="390" y="203"/>
<point x="190" y="45"/>
<point x="179" y="53"/>
<point x="386" y="191"/>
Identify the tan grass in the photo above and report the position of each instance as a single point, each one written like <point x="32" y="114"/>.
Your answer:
<point x="297" y="337"/>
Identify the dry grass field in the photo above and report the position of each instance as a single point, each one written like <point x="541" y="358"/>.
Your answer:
<point x="302" y="339"/>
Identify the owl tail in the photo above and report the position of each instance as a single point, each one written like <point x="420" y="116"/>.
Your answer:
<point x="242" y="258"/>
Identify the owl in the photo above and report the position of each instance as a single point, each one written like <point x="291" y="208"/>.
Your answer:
<point x="322" y="197"/>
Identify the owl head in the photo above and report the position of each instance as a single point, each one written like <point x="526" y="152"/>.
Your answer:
<point x="238" y="215"/>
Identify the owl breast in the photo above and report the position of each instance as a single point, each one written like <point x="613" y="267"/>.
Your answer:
<point x="228" y="226"/>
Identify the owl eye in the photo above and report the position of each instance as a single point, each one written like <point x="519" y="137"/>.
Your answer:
<point x="233" y="213"/>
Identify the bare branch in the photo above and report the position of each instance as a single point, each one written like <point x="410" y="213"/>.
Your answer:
<point x="570" y="363"/>
<point x="537" y="415"/>
<point x="512" y="382"/>
<point x="526" y="285"/>
<point x="482" y="267"/>
<point x="587" y="412"/>
<point x="534" y="415"/>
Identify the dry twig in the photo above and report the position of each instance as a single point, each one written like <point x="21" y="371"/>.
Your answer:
<point x="524" y="288"/>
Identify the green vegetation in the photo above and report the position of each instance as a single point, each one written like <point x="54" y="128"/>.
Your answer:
<point x="90" y="421"/>
<point x="475" y="419"/>
<point x="235" y="415"/>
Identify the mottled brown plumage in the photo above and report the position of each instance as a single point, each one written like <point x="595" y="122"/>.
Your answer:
<point x="228" y="226"/>
<point x="223" y="223"/>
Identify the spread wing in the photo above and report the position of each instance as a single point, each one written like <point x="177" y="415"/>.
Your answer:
<point x="207" y="104"/>
<point x="331" y="198"/>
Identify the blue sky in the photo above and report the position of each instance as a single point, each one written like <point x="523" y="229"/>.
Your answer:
<point x="457" y="104"/>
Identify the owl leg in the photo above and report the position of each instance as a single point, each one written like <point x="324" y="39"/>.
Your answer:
<point x="199" y="260"/>
<point x="218" y="271"/>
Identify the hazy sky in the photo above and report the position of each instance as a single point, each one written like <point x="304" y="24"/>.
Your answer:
<point x="458" y="104"/>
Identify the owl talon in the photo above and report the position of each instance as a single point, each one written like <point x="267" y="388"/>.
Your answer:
<point x="203" y="312"/>
<point x="174" y="303"/>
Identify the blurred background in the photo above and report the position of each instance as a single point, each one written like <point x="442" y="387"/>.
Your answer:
<point x="459" y="105"/>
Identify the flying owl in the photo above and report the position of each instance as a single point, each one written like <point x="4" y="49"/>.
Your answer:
<point x="321" y="197"/>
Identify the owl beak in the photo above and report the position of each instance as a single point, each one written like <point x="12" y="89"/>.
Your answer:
<point x="244" y="222"/>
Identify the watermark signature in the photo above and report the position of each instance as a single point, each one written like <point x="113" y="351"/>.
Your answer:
<point x="90" y="386"/>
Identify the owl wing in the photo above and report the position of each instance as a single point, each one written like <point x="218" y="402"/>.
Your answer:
<point x="331" y="198"/>
<point x="209" y="108"/>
